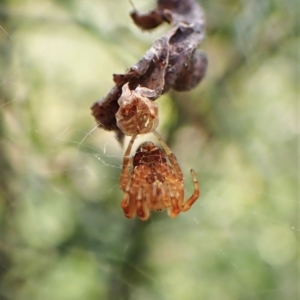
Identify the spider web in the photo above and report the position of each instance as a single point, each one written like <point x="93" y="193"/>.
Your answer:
<point x="66" y="234"/>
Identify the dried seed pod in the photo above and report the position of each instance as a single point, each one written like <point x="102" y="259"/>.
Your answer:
<point x="137" y="114"/>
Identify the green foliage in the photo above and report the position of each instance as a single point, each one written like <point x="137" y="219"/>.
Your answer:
<point x="62" y="231"/>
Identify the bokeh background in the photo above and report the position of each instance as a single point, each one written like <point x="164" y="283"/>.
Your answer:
<point x="63" y="234"/>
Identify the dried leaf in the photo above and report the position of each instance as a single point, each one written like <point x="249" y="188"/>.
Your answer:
<point x="172" y="62"/>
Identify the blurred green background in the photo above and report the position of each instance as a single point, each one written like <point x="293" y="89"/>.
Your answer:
<point x="63" y="234"/>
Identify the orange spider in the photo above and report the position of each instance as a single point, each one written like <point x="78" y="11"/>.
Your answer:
<point x="150" y="183"/>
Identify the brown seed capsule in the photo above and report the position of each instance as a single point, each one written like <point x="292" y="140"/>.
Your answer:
<point x="137" y="114"/>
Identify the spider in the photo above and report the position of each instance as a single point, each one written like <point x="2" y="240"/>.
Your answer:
<point x="149" y="182"/>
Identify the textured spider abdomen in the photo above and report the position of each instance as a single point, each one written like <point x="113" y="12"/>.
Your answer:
<point x="148" y="154"/>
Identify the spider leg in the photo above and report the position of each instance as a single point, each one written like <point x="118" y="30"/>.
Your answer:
<point x="142" y="208"/>
<point x="164" y="195"/>
<point x="170" y="155"/>
<point x="181" y="196"/>
<point x="128" y="203"/>
<point x="174" y="203"/>
<point x="127" y="162"/>
<point x="187" y="205"/>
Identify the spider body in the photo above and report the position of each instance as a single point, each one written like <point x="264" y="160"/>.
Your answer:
<point x="151" y="172"/>
<point x="151" y="183"/>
